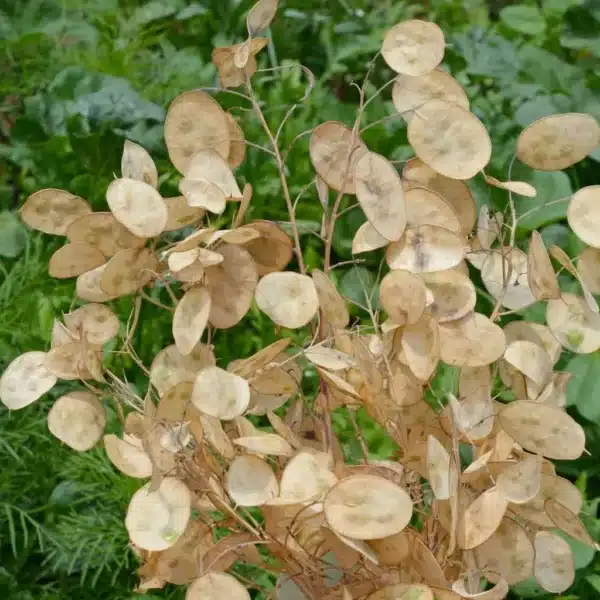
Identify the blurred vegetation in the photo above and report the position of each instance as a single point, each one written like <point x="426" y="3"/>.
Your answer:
<point x="77" y="77"/>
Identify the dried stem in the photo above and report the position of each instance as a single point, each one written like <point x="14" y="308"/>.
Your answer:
<point x="282" y="177"/>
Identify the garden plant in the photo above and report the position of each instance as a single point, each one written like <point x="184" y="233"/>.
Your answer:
<point x="253" y="470"/>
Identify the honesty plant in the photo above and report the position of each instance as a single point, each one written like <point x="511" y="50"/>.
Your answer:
<point x="238" y="447"/>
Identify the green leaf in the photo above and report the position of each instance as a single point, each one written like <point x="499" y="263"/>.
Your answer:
<point x="551" y="186"/>
<point x="528" y="589"/>
<point x="584" y="386"/>
<point x="13" y="236"/>
<point x="524" y="19"/>
<point x="582" y="554"/>
<point x="358" y="284"/>
<point x="542" y="106"/>
<point x="594" y="581"/>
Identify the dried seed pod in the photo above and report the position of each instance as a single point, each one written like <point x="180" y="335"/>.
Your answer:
<point x="96" y="322"/>
<point x="137" y="164"/>
<point x="180" y="214"/>
<point x="329" y="359"/>
<point x="78" y="420"/>
<point x="438" y="468"/>
<point x="334" y="152"/>
<point x="156" y="519"/>
<point x="583" y="215"/>
<point x="498" y="592"/>
<point x="137" y="206"/>
<point x="288" y="298"/>
<point x="203" y="194"/>
<point x="128" y="455"/>
<point x="520" y="481"/>
<point x="414" y="47"/>
<point x="426" y="249"/>
<point x="265" y="443"/>
<point x="102" y="231"/>
<point x="573" y="323"/>
<point x="507" y="554"/>
<point x="566" y="520"/>
<point x="541" y="277"/>
<point x="128" y="271"/>
<point x="563" y="258"/>
<point x="195" y="121"/>
<point x="52" y="211"/>
<point x="481" y="519"/>
<point x="306" y="478"/>
<point x="88" y="286"/>
<point x="472" y="341"/>
<point x="410" y="92"/>
<point x="214" y="585"/>
<point x="426" y="207"/>
<point x="588" y="264"/>
<point x="260" y="16"/>
<point x="272" y="250"/>
<point x="73" y="260"/>
<point x="450" y="139"/>
<point x="559" y="141"/>
<point x="530" y="359"/>
<point x="402" y="296"/>
<point x="331" y="303"/>
<point x="421" y="345"/>
<point x="250" y="481"/>
<point x="553" y="567"/>
<point x="517" y="187"/>
<point x="220" y="394"/>
<point x="505" y="275"/>
<point x="232" y="284"/>
<point x="454" y="294"/>
<point x="190" y="319"/>
<point x="25" y="380"/>
<point x="366" y="507"/>
<point x="367" y="238"/>
<point x="551" y="486"/>
<point x="171" y="367"/>
<point x="380" y="194"/>
<point x="417" y="174"/>
<point x="230" y="74"/>
<point x="543" y="430"/>
<point x="208" y="165"/>
<point x="413" y="591"/>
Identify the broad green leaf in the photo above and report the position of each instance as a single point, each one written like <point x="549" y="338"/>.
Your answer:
<point x="13" y="236"/>
<point x="551" y="186"/>
<point x="557" y="8"/>
<point x="594" y="581"/>
<point x="582" y="554"/>
<point x="524" y="19"/>
<point x="358" y="284"/>
<point x="542" y="106"/>
<point x="547" y="69"/>
<point x="528" y="589"/>
<point x="488" y="55"/>
<point x="584" y="387"/>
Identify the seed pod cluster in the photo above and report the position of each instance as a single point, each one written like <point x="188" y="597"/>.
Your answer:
<point x="210" y="441"/>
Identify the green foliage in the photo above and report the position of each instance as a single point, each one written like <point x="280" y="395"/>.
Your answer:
<point x="80" y="76"/>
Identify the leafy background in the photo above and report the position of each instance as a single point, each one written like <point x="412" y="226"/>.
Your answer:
<point x="77" y="77"/>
